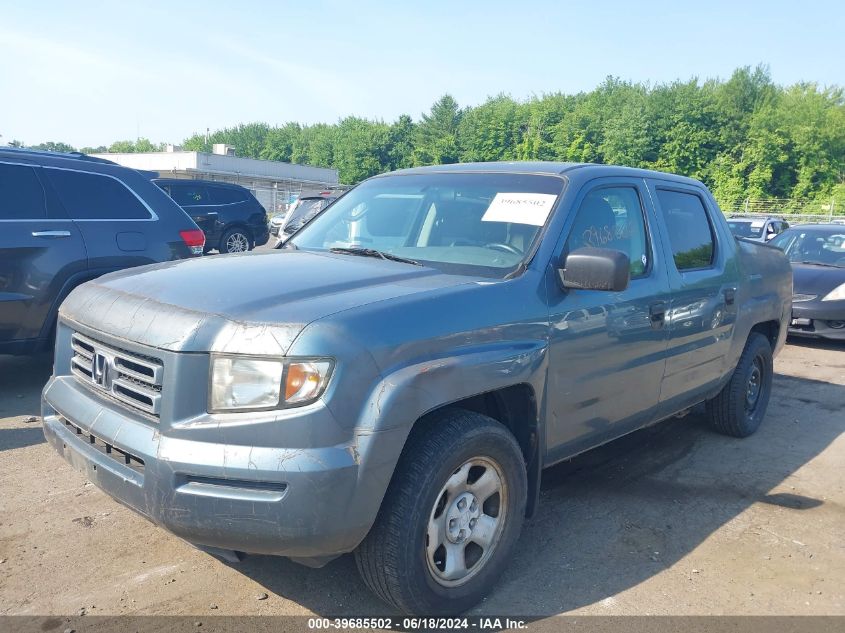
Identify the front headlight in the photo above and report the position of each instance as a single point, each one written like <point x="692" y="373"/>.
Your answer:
<point x="837" y="294"/>
<point x="257" y="384"/>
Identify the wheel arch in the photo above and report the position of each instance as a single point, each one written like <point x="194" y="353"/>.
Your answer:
<point x="514" y="407"/>
<point x="77" y="279"/>
<point x="769" y="329"/>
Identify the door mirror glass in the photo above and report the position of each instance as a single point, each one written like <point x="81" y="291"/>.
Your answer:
<point x="591" y="268"/>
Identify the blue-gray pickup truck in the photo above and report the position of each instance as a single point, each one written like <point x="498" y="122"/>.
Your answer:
<point x="393" y="380"/>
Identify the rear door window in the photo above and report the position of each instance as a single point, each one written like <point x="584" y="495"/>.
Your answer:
<point x="189" y="195"/>
<point x="227" y="195"/>
<point x="690" y="233"/>
<point x="21" y="194"/>
<point x="88" y="196"/>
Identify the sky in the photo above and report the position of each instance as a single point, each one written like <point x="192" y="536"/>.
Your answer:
<point x="92" y="72"/>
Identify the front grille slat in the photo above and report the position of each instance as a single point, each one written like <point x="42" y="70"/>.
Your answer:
<point x="82" y="364"/>
<point x="143" y="398"/>
<point x="133" y="379"/>
<point x="140" y="369"/>
<point x="82" y="350"/>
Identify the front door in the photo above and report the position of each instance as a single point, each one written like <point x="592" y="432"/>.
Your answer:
<point x="607" y="349"/>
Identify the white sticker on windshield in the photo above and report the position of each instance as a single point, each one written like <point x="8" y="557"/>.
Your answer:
<point x="520" y="208"/>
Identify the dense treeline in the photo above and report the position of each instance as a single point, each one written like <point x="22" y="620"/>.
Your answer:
<point x="745" y="137"/>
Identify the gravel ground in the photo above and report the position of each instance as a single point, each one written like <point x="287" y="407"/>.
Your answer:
<point x="670" y="520"/>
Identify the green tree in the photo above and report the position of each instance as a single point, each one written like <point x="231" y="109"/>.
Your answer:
<point x="361" y="149"/>
<point x="55" y="146"/>
<point x="315" y="146"/>
<point x="279" y="142"/>
<point x="544" y="117"/>
<point x="745" y="137"/>
<point x="400" y="154"/>
<point x="492" y="131"/>
<point x="437" y="133"/>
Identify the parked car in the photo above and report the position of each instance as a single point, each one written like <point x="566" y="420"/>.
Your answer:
<point x="230" y="216"/>
<point x="758" y="229"/>
<point x="276" y="222"/>
<point x="401" y="392"/>
<point x="301" y="213"/>
<point x="68" y="218"/>
<point x="817" y="254"/>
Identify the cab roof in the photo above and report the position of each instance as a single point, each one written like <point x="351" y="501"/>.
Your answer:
<point x="550" y="168"/>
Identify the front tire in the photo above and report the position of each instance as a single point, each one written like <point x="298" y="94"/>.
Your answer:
<point x="741" y="406"/>
<point x="450" y="518"/>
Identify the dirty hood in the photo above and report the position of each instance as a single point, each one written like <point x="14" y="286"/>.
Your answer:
<point x="255" y="303"/>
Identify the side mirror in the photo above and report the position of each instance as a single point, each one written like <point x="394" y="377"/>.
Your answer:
<point x="591" y="268"/>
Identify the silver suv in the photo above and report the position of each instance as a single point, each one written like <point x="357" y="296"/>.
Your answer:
<point x="758" y="229"/>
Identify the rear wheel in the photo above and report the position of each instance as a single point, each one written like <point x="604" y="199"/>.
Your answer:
<point x="235" y="240"/>
<point x="450" y="518"/>
<point x="741" y="406"/>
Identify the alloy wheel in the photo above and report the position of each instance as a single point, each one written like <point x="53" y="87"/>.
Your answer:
<point x="237" y="243"/>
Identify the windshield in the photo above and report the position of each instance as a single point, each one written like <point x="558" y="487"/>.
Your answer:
<point x="482" y="224"/>
<point x="306" y="209"/>
<point x="746" y="229"/>
<point x="813" y="247"/>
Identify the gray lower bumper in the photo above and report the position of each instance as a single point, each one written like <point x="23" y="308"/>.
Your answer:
<point x="290" y="502"/>
<point x="814" y="319"/>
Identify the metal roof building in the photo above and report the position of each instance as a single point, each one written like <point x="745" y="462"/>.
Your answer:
<point x="274" y="183"/>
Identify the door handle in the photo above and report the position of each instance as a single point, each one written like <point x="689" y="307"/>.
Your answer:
<point x="51" y="234"/>
<point x="657" y="314"/>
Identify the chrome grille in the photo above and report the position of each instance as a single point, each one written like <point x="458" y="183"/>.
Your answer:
<point x="133" y="379"/>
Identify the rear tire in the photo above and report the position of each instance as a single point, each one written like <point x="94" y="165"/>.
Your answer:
<point x="450" y="518"/>
<point x="741" y="406"/>
<point x="235" y="240"/>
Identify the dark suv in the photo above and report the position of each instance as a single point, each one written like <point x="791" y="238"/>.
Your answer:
<point x="231" y="218"/>
<point x="66" y="219"/>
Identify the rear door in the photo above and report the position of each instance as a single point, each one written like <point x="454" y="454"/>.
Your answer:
<point x="119" y="229"/>
<point x="196" y="200"/>
<point x="703" y="277"/>
<point x="607" y="350"/>
<point x="41" y="252"/>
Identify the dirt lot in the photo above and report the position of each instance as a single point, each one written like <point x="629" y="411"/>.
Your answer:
<point x="671" y="520"/>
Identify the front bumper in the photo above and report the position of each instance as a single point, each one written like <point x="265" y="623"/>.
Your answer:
<point x="258" y="499"/>
<point x="817" y="318"/>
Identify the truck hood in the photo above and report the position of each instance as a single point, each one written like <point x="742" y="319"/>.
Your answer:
<point x="254" y="303"/>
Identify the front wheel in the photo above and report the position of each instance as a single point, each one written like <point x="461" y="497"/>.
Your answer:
<point x="235" y="240"/>
<point x="741" y="406"/>
<point x="451" y="516"/>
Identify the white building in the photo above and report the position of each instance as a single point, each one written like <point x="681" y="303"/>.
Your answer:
<point x="275" y="184"/>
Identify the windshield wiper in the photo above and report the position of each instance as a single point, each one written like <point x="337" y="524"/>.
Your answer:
<point x="820" y="264"/>
<point x="371" y="252"/>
